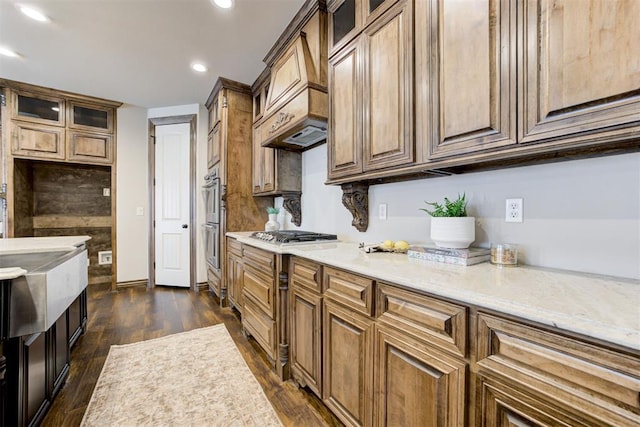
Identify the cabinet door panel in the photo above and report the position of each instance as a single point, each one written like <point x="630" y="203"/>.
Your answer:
<point x="33" y="140"/>
<point x="261" y="327"/>
<point x="347" y="373"/>
<point x="581" y="67"/>
<point x="306" y="338"/>
<point x="415" y="384"/>
<point x="213" y="148"/>
<point x="89" y="147"/>
<point x="345" y="113"/>
<point x="466" y="75"/>
<point x="388" y="88"/>
<point x="587" y="382"/>
<point x="503" y="406"/>
<point x="90" y="117"/>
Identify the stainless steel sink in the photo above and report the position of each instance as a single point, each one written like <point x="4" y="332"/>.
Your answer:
<point x="52" y="282"/>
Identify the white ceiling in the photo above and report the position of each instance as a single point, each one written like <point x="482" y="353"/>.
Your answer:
<point x="139" y="51"/>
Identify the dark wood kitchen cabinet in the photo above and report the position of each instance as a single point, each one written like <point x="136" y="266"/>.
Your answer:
<point x="371" y="97"/>
<point x="230" y="112"/>
<point x="235" y="275"/>
<point x="527" y="376"/>
<point x="347" y="349"/>
<point x="552" y="80"/>
<point x="260" y="293"/>
<point x="421" y="360"/>
<point x="59" y="152"/>
<point x="305" y="312"/>
<point x="549" y="74"/>
<point x="459" y="112"/>
<point x="347" y="363"/>
<point x="37" y="366"/>
<point x="397" y="356"/>
<point x="55" y="126"/>
<point x="275" y="171"/>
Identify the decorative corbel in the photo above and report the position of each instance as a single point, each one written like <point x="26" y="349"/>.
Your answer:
<point x="291" y="202"/>
<point x="355" y="197"/>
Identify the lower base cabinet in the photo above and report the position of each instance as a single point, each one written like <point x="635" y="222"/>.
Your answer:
<point x="305" y="348"/>
<point x="77" y="314"/>
<point x="415" y="385"/>
<point x="527" y="376"/>
<point x="38" y="366"/>
<point x="348" y="363"/>
<point x="405" y="358"/>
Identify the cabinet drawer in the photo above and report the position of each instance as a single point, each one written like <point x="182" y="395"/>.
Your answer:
<point x="349" y="289"/>
<point x="213" y="281"/>
<point x="234" y="247"/>
<point x="261" y="327"/>
<point x="261" y="260"/>
<point x="260" y="288"/>
<point x="306" y="274"/>
<point x="594" y="383"/>
<point x="438" y="322"/>
<point x="34" y="140"/>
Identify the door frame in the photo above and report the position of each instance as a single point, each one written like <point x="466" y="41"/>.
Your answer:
<point x="173" y="120"/>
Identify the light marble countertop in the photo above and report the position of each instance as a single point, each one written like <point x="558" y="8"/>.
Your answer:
<point x="606" y="308"/>
<point x="23" y="245"/>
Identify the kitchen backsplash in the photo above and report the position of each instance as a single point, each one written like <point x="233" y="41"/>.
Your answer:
<point x="581" y="215"/>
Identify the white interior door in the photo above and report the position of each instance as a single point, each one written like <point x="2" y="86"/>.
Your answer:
<point x="172" y="245"/>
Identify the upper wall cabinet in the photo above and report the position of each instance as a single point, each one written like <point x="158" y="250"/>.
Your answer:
<point x="90" y="117"/>
<point x="37" y="108"/>
<point x="371" y="101"/>
<point x="560" y="74"/>
<point x="465" y="76"/>
<point x="52" y="125"/>
<point x="349" y="17"/>
<point x="580" y="70"/>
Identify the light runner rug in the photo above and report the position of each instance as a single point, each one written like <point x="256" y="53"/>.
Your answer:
<point x="194" y="378"/>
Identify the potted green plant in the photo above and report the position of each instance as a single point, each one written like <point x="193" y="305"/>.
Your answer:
<point x="450" y="225"/>
<point x="272" y="224"/>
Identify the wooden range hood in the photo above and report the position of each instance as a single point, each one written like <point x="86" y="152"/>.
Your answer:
<point x="296" y="108"/>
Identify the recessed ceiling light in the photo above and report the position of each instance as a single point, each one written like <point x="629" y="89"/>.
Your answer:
<point x="198" y="67"/>
<point x="225" y="4"/>
<point x="7" y="52"/>
<point x="34" y="14"/>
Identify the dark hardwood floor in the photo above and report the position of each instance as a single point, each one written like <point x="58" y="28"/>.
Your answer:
<point x="137" y="314"/>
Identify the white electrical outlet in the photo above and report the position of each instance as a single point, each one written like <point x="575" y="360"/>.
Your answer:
<point x="106" y="192"/>
<point x="513" y="210"/>
<point x="382" y="211"/>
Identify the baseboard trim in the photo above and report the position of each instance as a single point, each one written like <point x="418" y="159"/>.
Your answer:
<point x="99" y="279"/>
<point x="132" y="283"/>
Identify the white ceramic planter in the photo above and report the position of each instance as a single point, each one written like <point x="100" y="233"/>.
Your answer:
<point x="456" y="233"/>
<point x="272" y="224"/>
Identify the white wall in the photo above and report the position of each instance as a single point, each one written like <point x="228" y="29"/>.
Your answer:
<point x="581" y="215"/>
<point x="133" y="192"/>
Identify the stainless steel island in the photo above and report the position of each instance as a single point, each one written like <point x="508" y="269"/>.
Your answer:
<point x="44" y="312"/>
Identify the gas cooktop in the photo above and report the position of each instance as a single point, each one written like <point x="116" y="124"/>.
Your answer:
<point x="292" y="236"/>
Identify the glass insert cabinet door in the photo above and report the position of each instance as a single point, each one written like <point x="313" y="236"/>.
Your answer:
<point x="348" y="17"/>
<point x="90" y="117"/>
<point x="38" y="109"/>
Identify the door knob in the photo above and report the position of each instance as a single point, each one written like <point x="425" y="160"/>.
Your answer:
<point x="185" y="226"/>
